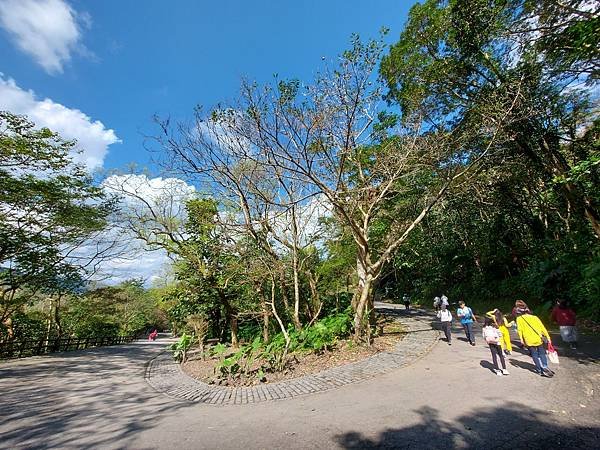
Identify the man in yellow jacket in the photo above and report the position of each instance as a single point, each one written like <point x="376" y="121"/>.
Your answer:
<point x="532" y="334"/>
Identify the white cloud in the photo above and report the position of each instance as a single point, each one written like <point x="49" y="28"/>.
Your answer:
<point x="158" y="192"/>
<point x="93" y="137"/>
<point x="47" y="30"/>
<point x="166" y="197"/>
<point x="147" y="265"/>
<point x="113" y="256"/>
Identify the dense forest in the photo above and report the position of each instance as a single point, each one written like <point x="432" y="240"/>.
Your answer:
<point x="463" y="159"/>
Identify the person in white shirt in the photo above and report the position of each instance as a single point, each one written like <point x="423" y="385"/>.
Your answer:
<point x="445" y="317"/>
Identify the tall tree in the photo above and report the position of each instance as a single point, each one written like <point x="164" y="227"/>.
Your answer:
<point x="328" y="140"/>
<point x="49" y="209"/>
<point x="457" y="57"/>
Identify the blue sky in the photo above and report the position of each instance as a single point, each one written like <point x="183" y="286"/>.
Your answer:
<point x="120" y="62"/>
<point x="97" y="71"/>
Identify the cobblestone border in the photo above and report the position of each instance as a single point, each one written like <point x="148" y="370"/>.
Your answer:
<point x="167" y="377"/>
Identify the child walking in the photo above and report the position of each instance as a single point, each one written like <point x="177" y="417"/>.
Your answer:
<point x="492" y="337"/>
<point x="445" y="317"/>
<point x="503" y="325"/>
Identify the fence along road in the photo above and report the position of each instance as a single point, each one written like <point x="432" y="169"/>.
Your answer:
<point x="36" y="347"/>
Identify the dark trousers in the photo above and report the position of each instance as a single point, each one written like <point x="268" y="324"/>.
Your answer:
<point x="446" y="326"/>
<point x="468" y="327"/>
<point x="497" y="351"/>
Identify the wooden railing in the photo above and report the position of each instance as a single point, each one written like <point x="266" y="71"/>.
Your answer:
<point x="33" y="347"/>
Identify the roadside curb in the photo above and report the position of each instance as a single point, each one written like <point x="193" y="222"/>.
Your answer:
<point x="167" y="377"/>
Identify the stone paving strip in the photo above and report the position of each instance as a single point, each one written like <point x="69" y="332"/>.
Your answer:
<point x="166" y="376"/>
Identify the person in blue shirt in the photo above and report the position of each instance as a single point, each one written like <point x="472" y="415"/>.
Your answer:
<point x="466" y="316"/>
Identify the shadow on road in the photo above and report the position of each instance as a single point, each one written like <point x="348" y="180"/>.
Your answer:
<point x="514" y="426"/>
<point x="523" y="365"/>
<point x="488" y="365"/>
<point x="91" y="399"/>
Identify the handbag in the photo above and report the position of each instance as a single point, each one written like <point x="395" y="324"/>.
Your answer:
<point x="552" y="354"/>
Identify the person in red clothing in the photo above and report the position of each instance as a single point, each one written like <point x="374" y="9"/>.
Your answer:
<point x="566" y="320"/>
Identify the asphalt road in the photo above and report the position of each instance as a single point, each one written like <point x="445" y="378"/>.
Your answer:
<point x="448" y="399"/>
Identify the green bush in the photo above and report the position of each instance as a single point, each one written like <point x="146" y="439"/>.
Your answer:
<point x="27" y="326"/>
<point x="586" y="293"/>
<point x="321" y="336"/>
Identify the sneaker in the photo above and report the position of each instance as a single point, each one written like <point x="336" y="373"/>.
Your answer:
<point x="473" y="344"/>
<point x="550" y="371"/>
<point x="505" y="372"/>
<point x="506" y="352"/>
<point x="449" y="343"/>
<point x="547" y="373"/>
<point x="498" y="372"/>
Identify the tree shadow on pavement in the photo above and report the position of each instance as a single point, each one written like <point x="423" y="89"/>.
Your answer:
<point x="587" y="352"/>
<point x="91" y="399"/>
<point x="513" y="425"/>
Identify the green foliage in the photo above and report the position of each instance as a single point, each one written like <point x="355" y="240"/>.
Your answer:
<point x="48" y="204"/>
<point x="218" y="349"/>
<point x="248" y="330"/>
<point x="28" y="326"/>
<point x="322" y="335"/>
<point x="523" y="226"/>
<point x="325" y="332"/>
<point x="124" y="309"/>
<point x="181" y="347"/>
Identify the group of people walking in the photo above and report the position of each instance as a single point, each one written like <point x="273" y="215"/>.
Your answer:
<point x="532" y="333"/>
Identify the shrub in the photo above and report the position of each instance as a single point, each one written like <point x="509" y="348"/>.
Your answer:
<point x="320" y="336"/>
<point x="181" y="347"/>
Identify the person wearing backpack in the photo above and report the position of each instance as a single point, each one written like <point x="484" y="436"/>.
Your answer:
<point x="445" y="317"/>
<point x="466" y="316"/>
<point x="492" y="337"/>
<point x="533" y="334"/>
<point x="503" y="325"/>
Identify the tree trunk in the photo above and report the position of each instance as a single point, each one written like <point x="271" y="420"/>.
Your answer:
<point x="286" y="335"/>
<point x="363" y="312"/>
<point x="10" y="331"/>
<point x="362" y="303"/>
<point x="215" y="322"/>
<point x="315" y="299"/>
<point x="57" y="321"/>
<point x="231" y="317"/>
<point x="233" y="324"/>
<point x="49" y="326"/>
<point x="265" y="314"/>
<point x="283" y="287"/>
<point x="296" y="317"/>
<point x="560" y="166"/>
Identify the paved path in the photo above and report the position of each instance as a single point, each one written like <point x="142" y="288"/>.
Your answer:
<point x="447" y="399"/>
<point x="167" y="377"/>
